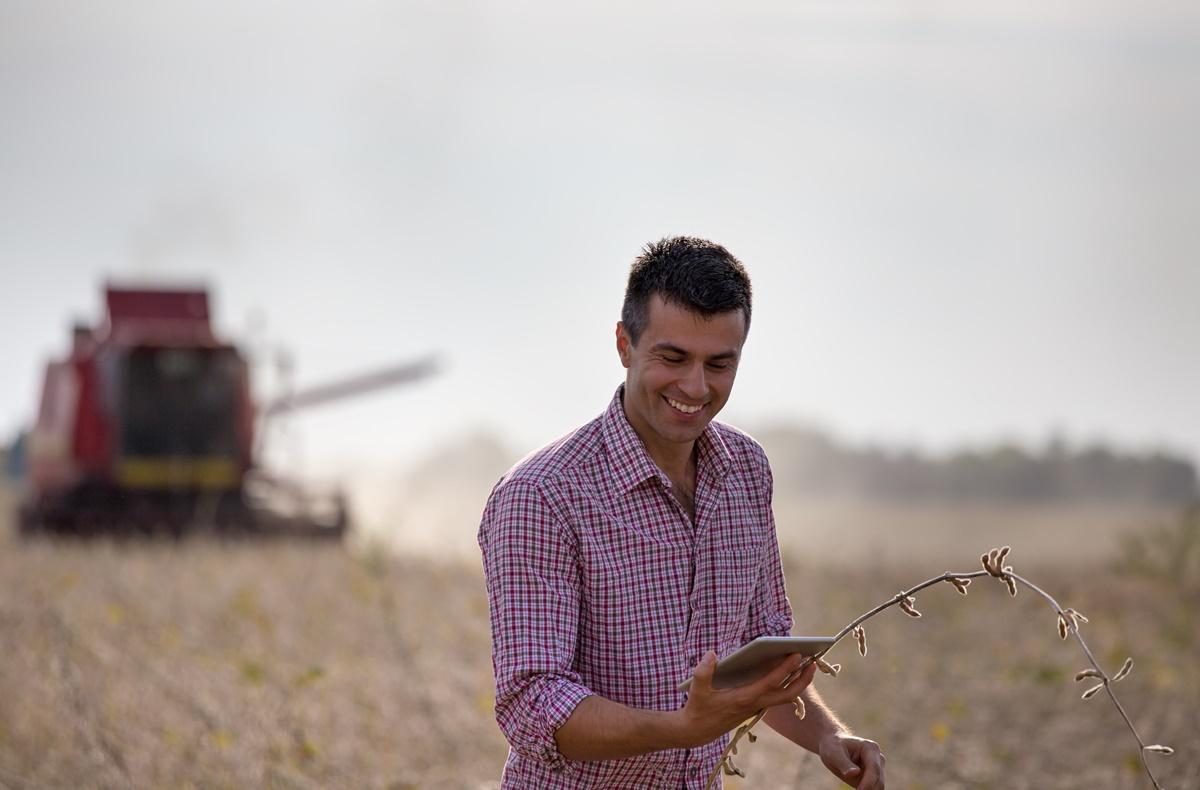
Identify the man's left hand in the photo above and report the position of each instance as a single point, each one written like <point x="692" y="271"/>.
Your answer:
<point x="856" y="761"/>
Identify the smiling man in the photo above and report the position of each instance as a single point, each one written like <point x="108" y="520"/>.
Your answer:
<point x="642" y="547"/>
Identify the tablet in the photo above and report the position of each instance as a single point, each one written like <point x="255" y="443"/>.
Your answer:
<point x="755" y="659"/>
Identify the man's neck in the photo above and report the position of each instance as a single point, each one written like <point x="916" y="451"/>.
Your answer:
<point x="676" y="459"/>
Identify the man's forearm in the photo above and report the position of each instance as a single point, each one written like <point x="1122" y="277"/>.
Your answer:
<point x="818" y="721"/>
<point x="600" y="729"/>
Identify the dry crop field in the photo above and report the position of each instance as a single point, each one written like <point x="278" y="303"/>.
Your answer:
<point x="168" y="665"/>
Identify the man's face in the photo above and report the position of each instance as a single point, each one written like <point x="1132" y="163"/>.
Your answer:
<point x="680" y="373"/>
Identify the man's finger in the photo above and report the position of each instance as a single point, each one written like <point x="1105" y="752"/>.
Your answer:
<point x="772" y="692"/>
<point x="774" y="679"/>
<point x="872" y="777"/>
<point x="841" y="764"/>
<point x="702" y="676"/>
<point x="803" y="679"/>
<point x="777" y="693"/>
<point x="872" y="758"/>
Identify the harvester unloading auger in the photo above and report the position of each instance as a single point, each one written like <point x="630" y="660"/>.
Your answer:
<point x="148" y="425"/>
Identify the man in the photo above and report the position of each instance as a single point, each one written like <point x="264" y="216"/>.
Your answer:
<point x="641" y="547"/>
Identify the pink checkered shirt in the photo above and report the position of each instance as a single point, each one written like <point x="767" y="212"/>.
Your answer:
<point x="599" y="583"/>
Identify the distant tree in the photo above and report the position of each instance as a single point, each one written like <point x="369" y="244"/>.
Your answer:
<point x="811" y="463"/>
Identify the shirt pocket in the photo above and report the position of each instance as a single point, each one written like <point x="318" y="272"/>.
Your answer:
<point x="736" y="574"/>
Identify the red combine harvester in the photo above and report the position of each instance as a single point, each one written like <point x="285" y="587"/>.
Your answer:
<point x="148" y="425"/>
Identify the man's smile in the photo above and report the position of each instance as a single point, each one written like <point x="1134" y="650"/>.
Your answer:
<point x="683" y="407"/>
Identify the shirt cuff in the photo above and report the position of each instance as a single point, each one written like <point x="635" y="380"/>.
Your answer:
<point x="552" y="700"/>
<point x="778" y="624"/>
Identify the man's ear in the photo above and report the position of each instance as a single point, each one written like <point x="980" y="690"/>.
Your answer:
<point x="624" y="345"/>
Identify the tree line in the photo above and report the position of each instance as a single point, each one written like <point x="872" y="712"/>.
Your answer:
<point x="812" y="463"/>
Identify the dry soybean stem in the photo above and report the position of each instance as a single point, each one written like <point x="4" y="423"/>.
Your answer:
<point x="993" y="563"/>
<point x="1107" y="682"/>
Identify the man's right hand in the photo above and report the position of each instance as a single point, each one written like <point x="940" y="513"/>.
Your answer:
<point x="710" y="713"/>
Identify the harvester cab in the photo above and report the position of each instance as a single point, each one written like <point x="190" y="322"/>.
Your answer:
<point x="148" y="425"/>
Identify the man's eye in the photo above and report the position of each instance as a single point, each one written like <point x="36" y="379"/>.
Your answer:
<point x="673" y="360"/>
<point x="720" y="366"/>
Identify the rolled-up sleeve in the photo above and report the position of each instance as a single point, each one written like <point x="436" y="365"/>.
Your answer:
<point x="770" y="611"/>
<point x="531" y="566"/>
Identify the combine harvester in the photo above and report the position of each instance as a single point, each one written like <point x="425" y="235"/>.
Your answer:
<point x="148" y="426"/>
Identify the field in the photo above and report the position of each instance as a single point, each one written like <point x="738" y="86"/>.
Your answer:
<point x="293" y="666"/>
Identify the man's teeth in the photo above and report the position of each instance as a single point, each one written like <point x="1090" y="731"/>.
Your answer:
<point x="684" y="407"/>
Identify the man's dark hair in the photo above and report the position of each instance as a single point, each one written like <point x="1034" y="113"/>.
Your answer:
<point x="695" y="274"/>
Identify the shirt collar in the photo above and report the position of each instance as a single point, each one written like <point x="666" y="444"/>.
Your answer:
<point x="631" y="464"/>
<point x="712" y="453"/>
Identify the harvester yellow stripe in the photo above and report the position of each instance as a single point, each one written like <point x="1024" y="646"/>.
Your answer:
<point x="177" y="473"/>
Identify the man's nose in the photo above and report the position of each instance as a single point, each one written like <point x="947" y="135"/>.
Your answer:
<point x="693" y="384"/>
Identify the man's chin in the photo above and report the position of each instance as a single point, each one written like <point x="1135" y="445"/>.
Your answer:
<point x="682" y="434"/>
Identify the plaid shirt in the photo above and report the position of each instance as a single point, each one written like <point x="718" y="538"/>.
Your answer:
<point x="599" y="583"/>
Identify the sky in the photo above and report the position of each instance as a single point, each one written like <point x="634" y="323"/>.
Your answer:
<point x="964" y="221"/>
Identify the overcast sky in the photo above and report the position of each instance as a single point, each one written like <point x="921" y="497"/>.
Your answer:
<point x="964" y="221"/>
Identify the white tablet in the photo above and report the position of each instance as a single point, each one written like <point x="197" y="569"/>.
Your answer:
<point x="755" y="659"/>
